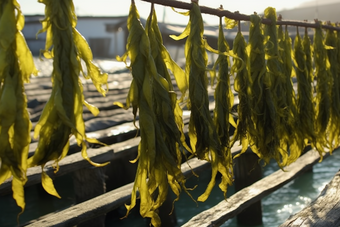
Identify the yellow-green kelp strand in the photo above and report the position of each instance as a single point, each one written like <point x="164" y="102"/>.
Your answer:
<point x="284" y="147"/>
<point x="151" y="93"/>
<point x="263" y="109"/>
<point x="224" y="100"/>
<point x="291" y="139"/>
<point x="224" y="97"/>
<point x="16" y="66"/>
<point x="165" y="57"/>
<point x="333" y="129"/>
<point x="62" y="115"/>
<point x="323" y="88"/>
<point x="305" y="104"/>
<point x="164" y="62"/>
<point x="288" y="54"/>
<point x="242" y="85"/>
<point x="338" y="56"/>
<point x="202" y="132"/>
<point x="307" y="49"/>
<point x="170" y="140"/>
<point x="276" y="105"/>
<point x="229" y="24"/>
<point x="274" y="66"/>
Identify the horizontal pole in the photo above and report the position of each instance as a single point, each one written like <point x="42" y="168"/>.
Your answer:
<point x="238" y="16"/>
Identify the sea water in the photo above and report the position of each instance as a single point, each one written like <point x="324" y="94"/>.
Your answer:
<point x="277" y="207"/>
<point x="284" y="202"/>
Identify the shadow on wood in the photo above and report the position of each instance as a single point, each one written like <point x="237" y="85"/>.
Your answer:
<point x="89" y="183"/>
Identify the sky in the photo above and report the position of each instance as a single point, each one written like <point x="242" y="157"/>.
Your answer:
<point x="121" y="8"/>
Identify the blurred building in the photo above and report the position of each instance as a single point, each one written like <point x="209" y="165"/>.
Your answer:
<point x="105" y="35"/>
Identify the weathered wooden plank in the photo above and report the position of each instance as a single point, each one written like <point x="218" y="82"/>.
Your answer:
<point x="102" y="103"/>
<point x="86" y="210"/>
<point x="107" y="135"/>
<point x="323" y="211"/>
<point x="103" y="106"/>
<point x="119" y="132"/>
<point x="104" y="131"/>
<point x="110" y="200"/>
<point x="101" y="204"/>
<point x="33" y="174"/>
<point x="75" y="162"/>
<point x="225" y="210"/>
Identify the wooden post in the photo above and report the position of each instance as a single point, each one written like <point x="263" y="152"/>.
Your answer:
<point x="89" y="183"/>
<point x="248" y="171"/>
<point x="167" y="217"/>
<point x="121" y="172"/>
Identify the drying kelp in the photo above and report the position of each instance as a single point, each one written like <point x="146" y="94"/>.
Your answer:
<point x="284" y="146"/>
<point x="242" y="85"/>
<point x="224" y="100"/>
<point x="151" y="92"/>
<point x="323" y="88"/>
<point x="62" y="115"/>
<point x="172" y="111"/>
<point x="291" y="136"/>
<point x="202" y="132"/>
<point x="333" y="129"/>
<point x="170" y="140"/>
<point x="307" y="48"/>
<point x="263" y="109"/>
<point x="305" y="105"/>
<point x="224" y="97"/>
<point x="338" y="58"/>
<point x="16" y="66"/>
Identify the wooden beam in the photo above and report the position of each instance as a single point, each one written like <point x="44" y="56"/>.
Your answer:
<point x="109" y="201"/>
<point x="323" y="211"/>
<point x="87" y="210"/>
<point x="75" y="162"/>
<point x="225" y="210"/>
<point x="103" y="203"/>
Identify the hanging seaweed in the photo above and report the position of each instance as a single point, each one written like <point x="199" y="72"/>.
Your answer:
<point x="337" y="58"/>
<point x="276" y="77"/>
<point x="305" y="105"/>
<point x="224" y="97"/>
<point x="62" y="115"/>
<point x="202" y="132"/>
<point x="307" y="48"/>
<point x="224" y="100"/>
<point x="263" y="109"/>
<point x="242" y="85"/>
<point x="151" y="92"/>
<point x="164" y="62"/>
<point x="170" y="140"/>
<point x="323" y="88"/>
<point x="284" y="143"/>
<point x="333" y="129"/>
<point x="16" y="67"/>
<point x="291" y="135"/>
